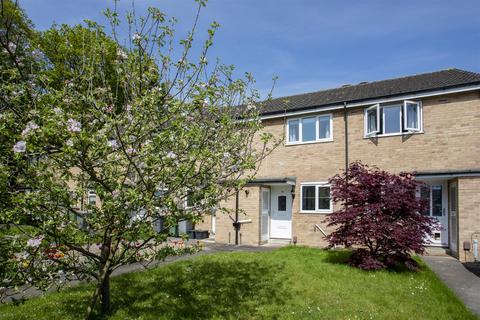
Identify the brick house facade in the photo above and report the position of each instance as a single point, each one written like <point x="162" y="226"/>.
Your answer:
<point x="427" y="123"/>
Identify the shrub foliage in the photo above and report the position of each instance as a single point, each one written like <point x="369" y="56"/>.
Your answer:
<point x="381" y="214"/>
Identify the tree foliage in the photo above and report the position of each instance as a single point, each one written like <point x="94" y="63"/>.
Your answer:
<point x="381" y="214"/>
<point x="131" y="124"/>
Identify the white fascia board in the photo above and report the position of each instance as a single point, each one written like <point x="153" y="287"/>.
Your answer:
<point x="374" y="101"/>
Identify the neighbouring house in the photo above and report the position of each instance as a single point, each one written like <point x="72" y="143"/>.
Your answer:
<point x="427" y="123"/>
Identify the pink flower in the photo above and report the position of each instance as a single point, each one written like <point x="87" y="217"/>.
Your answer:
<point x="31" y="125"/>
<point x="115" y="194"/>
<point x="35" y="242"/>
<point x="20" y="146"/>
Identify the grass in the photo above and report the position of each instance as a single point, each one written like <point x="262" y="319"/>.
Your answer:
<point x="288" y="283"/>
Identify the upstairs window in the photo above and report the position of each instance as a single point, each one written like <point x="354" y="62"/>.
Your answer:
<point x="316" y="198"/>
<point x="393" y="119"/>
<point x="309" y="129"/>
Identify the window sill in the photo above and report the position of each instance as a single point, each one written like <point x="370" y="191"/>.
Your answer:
<point x="308" y="142"/>
<point x="317" y="211"/>
<point x="393" y="135"/>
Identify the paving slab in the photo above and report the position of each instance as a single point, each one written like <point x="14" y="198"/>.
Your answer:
<point x="458" y="278"/>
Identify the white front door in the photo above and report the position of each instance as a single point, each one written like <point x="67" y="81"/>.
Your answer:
<point x="265" y="214"/>
<point x="281" y="219"/>
<point x="437" y="200"/>
<point x="453" y="216"/>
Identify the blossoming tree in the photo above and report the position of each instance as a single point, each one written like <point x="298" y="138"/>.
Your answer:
<point x="142" y="126"/>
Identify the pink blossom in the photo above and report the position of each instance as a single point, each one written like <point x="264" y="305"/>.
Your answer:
<point x="73" y="125"/>
<point x="31" y="126"/>
<point x="20" y="146"/>
<point x="35" y="242"/>
<point x="115" y="194"/>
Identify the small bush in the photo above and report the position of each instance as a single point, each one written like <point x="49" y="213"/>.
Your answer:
<point x="381" y="213"/>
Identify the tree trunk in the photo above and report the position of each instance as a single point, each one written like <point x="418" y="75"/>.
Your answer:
<point x="105" y="292"/>
<point x="102" y="290"/>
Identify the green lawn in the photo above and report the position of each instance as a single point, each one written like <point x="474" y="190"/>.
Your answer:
<point x="289" y="283"/>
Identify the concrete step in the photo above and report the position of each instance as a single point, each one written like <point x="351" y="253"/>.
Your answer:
<point x="437" y="251"/>
<point x="279" y="242"/>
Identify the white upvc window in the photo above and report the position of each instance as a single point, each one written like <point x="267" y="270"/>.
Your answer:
<point x="404" y="117"/>
<point x="412" y="116"/>
<point x="310" y="129"/>
<point x="372" y="120"/>
<point x="92" y="198"/>
<point x="315" y="197"/>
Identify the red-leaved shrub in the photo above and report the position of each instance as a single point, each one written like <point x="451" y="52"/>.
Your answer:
<point x="381" y="215"/>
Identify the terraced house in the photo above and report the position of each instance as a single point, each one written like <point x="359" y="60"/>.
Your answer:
<point x="427" y="123"/>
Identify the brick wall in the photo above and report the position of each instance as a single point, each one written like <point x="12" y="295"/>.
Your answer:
<point x="249" y="205"/>
<point x="468" y="214"/>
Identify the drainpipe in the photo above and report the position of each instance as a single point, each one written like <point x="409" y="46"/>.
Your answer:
<point x="345" y="119"/>
<point x="236" y="225"/>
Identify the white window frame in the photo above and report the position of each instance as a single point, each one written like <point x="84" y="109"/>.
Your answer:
<point x="403" y="126"/>
<point x="317" y="130"/>
<point x="317" y="185"/>
<point x="367" y="110"/>
<point x="399" y="107"/>
<point x="185" y="204"/>
<point x="299" y="131"/>
<point x="419" y="115"/>
<point x="91" y="193"/>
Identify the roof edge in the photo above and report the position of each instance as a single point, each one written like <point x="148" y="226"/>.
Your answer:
<point x="381" y="99"/>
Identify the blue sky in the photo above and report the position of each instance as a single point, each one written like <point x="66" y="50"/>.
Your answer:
<point x="311" y="44"/>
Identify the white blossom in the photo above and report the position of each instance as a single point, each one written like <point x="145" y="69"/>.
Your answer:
<point x="20" y="146"/>
<point x="251" y="107"/>
<point x="113" y="144"/>
<point x="69" y="143"/>
<point x="122" y="54"/>
<point x="12" y="46"/>
<point x="171" y="155"/>
<point x="136" y="37"/>
<point x="74" y="125"/>
<point x="115" y="194"/>
<point x="35" y="242"/>
<point x="57" y="110"/>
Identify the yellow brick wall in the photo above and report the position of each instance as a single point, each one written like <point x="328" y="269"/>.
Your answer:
<point x="468" y="215"/>
<point x="249" y="205"/>
<point x="451" y="140"/>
